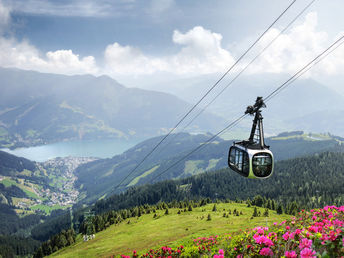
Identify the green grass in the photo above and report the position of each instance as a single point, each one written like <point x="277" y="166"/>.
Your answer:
<point x="212" y="164"/>
<point x="174" y="229"/>
<point x="8" y="182"/>
<point x="136" y="179"/>
<point x="47" y="209"/>
<point x="191" y="167"/>
<point x="305" y="136"/>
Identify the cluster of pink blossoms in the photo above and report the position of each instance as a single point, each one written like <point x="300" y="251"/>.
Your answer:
<point x="319" y="232"/>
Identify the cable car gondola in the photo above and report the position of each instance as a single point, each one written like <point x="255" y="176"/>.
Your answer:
<point x="252" y="158"/>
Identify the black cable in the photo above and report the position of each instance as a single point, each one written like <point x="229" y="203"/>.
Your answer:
<point x="231" y="125"/>
<point x="195" y="105"/>
<point x="244" y="69"/>
<point x="310" y="67"/>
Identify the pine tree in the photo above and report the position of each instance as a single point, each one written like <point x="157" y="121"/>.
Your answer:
<point x="214" y="207"/>
<point x="279" y="209"/>
<point x="209" y="217"/>
<point x="255" y="212"/>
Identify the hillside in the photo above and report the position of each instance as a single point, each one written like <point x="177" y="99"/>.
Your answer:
<point x="178" y="227"/>
<point x="53" y="108"/>
<point x="97" y="179"/>
<point x="311" y="181"/>
<point x="315" y="233"/>
<point x="30" y="191"/>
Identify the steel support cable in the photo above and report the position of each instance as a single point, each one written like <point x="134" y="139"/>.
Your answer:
<point x="243" y="70"/>
<point x="285" y="84"/>
<point x="199" y="101"/>
<point x="231" y="125"/>
<point x="308" y="66"/>
<point x="311" y="66"/>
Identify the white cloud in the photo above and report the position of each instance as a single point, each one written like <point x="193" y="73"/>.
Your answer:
<point x="294" y="49"/>
<point x="201" y="53"/>
<point x="130" y="61"/>
<point x="22" y="55"/>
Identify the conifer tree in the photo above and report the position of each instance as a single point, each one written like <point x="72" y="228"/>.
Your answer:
<point x="255" y="212"/>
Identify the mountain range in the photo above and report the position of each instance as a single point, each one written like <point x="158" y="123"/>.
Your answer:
<point x="38" y="108"/>
<point x="305" y="104"/>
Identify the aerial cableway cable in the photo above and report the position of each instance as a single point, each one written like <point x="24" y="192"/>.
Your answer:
<point x="244" y="69"/>
<point x="201" y="99"/>
<point x="308" y="66"/>
<point x="304" y="69"/>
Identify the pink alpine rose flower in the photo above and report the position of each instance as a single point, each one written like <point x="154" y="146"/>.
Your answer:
<point x="305" y="243"/>
<point x="307" y="253"/>
<point x="290" y="254"/>
<point x="266" y="252"/>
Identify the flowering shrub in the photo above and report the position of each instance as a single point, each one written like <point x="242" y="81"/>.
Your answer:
<point x="310" y="234"/>
<point x="318" y="232"/>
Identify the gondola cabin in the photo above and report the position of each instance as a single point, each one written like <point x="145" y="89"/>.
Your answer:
<point x="251" y="163"/>
<point x="252" y="158"/>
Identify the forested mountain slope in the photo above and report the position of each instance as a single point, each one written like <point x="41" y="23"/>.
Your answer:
<point x="311" y="181"/>
<point x="99" y="178"/>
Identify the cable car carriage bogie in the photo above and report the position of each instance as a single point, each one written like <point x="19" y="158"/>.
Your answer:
<point x="252" y="158"/>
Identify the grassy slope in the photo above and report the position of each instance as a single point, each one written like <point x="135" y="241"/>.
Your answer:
<point x="174" y="229"/>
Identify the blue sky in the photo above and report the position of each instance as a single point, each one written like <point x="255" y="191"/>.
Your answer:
<point x="125" y="38"/>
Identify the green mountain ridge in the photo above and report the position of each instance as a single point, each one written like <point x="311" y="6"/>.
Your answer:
<point x="100" y="178"/>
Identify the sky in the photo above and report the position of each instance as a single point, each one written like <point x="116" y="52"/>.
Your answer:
<point x="174" y="38"/>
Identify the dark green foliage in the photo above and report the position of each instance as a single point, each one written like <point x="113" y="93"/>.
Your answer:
<point x="11" y="246"/>
<point x="166" y="212"/>
<point x="51" y="227"/>
<point x="11" y="223"/>
<point x="258" y="201"/>
<point x="63" y="239"/>
<point x="266" y="213"/>
<point x="10" y="164"/>
<point x="279" y="209"/>
<point x="190" y="208"/>
<point x="209" y="217"/>
<point x="255" y="212"/>
<point x="214" y="207"/>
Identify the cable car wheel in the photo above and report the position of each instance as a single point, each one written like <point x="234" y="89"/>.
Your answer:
<point x="252" y="158"/>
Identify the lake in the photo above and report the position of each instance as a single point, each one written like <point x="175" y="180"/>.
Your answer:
<point x="95" y="148"/>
